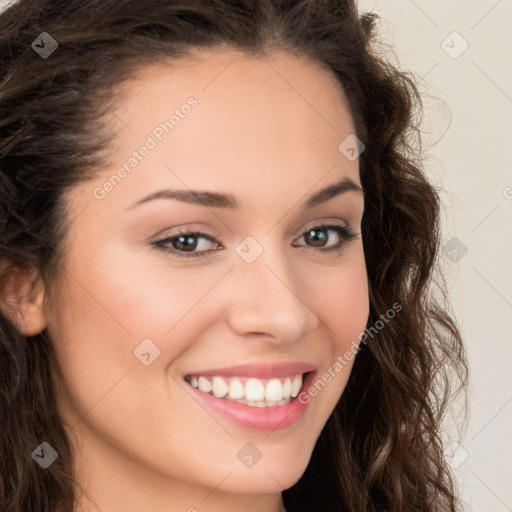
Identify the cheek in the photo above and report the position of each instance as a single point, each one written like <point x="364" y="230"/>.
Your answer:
<point x="342" y="304"/>
<point x="108" y="305"/>
<point x="147" y="295"/>
<point x="118" y="300"/>
<point x="341" y="299"/>
<point x="93" y="344"/>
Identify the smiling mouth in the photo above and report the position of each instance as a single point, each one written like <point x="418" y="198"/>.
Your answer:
<point x="251" y="391"/>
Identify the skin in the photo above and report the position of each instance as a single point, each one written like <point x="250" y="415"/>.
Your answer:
<point x="143" y="442"/>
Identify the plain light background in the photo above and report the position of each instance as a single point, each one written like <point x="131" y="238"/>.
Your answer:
<point x="470" y="133"/>
<point x="461" y="52"/>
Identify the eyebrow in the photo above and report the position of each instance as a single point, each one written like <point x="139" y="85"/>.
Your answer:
<point x="218" y="200"/>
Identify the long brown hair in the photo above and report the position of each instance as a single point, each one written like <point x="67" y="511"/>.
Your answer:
<point x="381" y="449"/>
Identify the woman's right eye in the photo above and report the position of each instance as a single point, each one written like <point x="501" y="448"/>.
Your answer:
<point x="185" y="241"/>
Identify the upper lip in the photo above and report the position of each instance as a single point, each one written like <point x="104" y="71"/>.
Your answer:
<point x="260" y="370"/>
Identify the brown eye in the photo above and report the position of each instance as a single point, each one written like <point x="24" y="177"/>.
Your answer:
<point x="185" y="242"/>
<point x="317" y="236"/>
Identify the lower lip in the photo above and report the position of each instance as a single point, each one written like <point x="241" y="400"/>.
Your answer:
<point x="259" y="418"/>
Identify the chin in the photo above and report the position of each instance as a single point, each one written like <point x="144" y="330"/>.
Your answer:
<point x="268" y="475"/>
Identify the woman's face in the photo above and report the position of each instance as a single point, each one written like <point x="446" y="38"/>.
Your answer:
<point x="133" y="318"/>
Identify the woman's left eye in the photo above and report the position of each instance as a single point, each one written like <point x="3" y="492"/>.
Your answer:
<point x="187" y="241"/>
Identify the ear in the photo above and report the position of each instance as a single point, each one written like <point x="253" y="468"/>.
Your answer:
<point x="22" y="300"/>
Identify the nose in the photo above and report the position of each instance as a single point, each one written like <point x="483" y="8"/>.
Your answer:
<point x="267" y="299"/>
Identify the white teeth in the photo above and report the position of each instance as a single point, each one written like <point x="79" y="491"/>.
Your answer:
<point x="236" y="389"/>
<point x="296" y="385"/>
<point x="219" y="387"/>
<point x="287" y="388"/>
<point x="274" y="390"/>
<point x="204" y="385"/>
<point x="254" y="390"/>
<point x="252" y="403"/>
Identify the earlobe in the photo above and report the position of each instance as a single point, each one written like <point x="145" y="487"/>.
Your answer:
<point x="22" y="300"/>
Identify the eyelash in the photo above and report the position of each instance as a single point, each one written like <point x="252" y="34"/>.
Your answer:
<point x="345" y="232"/>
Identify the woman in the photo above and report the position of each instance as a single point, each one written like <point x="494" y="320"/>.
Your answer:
<point x="217" y="250"/>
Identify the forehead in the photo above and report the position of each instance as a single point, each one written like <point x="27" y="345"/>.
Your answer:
<point x="256" y="124"/>
<point x="237" y="95"/>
